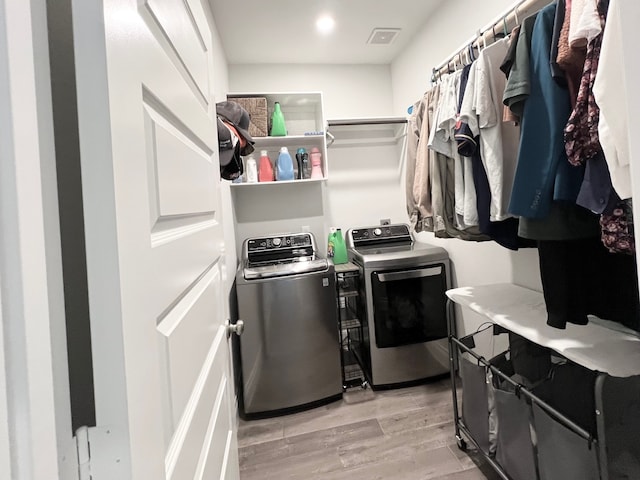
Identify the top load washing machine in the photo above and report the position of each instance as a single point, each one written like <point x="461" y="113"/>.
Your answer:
<point x="289" y="351"/>
<point x="404" y="282"/>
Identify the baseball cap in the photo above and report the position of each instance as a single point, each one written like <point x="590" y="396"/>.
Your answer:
<point x="237" y="116"/>
<point x="231" y="166"/>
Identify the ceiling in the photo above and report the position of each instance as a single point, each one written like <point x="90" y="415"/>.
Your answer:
<point x="283" y="31"/>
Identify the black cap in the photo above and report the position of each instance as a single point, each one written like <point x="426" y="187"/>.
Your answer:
<point x="237" y="116"/>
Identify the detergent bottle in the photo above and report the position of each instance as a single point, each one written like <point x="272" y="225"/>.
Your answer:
<point x="339" y="248"/>
<point x="278" y="128"/>
<point x="284" y="165"/>
<point x="252" y="170"/>
<point x="316" y="163"/>
<point x="331" y="242"/>
<point x="302" y="158"/>
<point x="265" y="172"/>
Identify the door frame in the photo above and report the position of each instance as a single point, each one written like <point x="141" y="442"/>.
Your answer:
<point x="35" y="416"/>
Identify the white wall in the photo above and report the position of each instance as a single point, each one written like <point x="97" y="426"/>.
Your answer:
<point x="348" y="90"/>
<point x="450" y="26"/>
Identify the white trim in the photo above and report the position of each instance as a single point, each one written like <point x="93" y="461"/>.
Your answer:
<point x="30" y="259"/>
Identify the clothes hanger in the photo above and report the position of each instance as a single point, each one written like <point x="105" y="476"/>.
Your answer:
<point x="504" y="25"/>
<point x="516" y="15"/>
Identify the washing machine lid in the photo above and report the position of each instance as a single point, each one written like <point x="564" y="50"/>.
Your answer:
<point x="285" y="269"/>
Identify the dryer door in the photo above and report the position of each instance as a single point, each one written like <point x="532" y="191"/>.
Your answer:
<point x="409" y="305"/>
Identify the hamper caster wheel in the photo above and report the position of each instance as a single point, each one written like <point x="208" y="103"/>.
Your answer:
<point x="462" y="445"/>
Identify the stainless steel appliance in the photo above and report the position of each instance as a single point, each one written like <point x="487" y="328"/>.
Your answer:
<point x="289" y="351"/>
<point x="404" y="281"/>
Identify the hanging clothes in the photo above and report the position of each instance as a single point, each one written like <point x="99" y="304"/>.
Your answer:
<point x="556" y="71"/>
<point x="585" y="24"/>
<point x="518" y="84"/>
<point x="614" y="114"/>
<point x="482" y="110"/>
<point x="414" y="125"/>
<point x="423" y="186"/>
<point x="581" y="132"/>
<point x="543" y="173"/>
<point x="570" y="58"/>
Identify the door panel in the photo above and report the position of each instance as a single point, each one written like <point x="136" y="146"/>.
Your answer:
<point x="186" y="449"/>
<point x="174" y="23"/>
<point x="180" y="164"/>
<point x="151" y="188"/>
<point x="187" y="335"/>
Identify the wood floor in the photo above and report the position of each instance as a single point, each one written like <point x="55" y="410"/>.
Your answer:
<point x="402" y="434"/>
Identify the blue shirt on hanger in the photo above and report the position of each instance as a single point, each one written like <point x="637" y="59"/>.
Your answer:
<point x="543" y="173"/>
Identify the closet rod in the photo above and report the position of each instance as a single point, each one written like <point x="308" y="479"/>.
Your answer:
<point x="505" y="21"/>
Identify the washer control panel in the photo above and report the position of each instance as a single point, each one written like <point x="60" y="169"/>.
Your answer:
<point x="279" y="242"/>
<point x="382" y="232"/>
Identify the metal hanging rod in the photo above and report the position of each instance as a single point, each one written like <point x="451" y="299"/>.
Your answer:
<point x="499" y="28"/>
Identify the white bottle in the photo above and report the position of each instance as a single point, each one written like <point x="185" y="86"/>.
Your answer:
<point x="252" y="170"/>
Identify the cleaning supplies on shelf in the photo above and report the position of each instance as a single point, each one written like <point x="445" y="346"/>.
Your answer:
<point x="302" y="158"/>
<point x="252" y="170"/>
<point x="336" y="248"/>
<point x="278" y="127"/>
<point x="316" y="163"/>
<point x="284" y="165"/>
<point x="265" y="172"/>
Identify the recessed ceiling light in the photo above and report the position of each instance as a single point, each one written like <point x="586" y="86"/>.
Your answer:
<point x="325" y="24"/>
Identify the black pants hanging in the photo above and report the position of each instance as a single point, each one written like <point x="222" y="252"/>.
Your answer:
<point x="581" y="277"/>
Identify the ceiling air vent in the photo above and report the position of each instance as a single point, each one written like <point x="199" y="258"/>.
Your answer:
<point x="383" y="36"/>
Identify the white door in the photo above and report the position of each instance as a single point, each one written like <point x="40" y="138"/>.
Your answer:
<point x="154" y="240"/>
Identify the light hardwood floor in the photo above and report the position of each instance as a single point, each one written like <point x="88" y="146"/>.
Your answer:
<point x="403" y="434"/>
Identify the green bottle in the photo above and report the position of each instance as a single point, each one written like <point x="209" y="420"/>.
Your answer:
<point x="339" y="248"/>
<point x="331" y="243"/>
<point x="278" y="128"/>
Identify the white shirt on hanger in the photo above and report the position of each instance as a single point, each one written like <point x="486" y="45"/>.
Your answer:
<point x="611" y="97"/>
<point x="482" y="109"/>
<point x="584" y="23"/>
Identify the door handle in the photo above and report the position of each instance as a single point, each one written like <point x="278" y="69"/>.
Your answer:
<point x="407" y="274"/>
<point x="236" y="328"/>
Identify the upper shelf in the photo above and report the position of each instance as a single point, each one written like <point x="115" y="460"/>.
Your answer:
<point x="600" y="345"/>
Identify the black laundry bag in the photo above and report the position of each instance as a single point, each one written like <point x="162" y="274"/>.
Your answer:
<point x="475" y="402"/>
<point x="478" y="411"/>
<point x="515" y="446"/>
<point x="562" y="453"/>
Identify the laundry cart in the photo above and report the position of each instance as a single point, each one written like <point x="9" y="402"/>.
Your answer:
<point x="557" y="404"/>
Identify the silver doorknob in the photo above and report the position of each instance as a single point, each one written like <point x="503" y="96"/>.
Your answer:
<point x="236" y="328"/>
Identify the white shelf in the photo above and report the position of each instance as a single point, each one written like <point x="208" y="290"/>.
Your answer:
<point x="277" y="183"/>
<point x="303" y="140"/>
<point x="601" y="345"/>
<point x="305" y="125"/>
